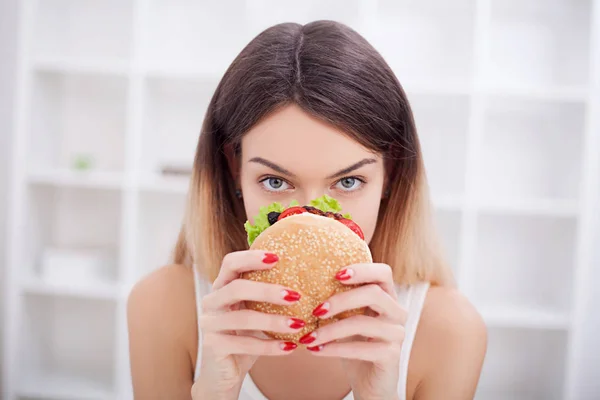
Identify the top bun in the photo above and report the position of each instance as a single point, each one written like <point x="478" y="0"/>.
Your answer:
<point x="311" y="250"/>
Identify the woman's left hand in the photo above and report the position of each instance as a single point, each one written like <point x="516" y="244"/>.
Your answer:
<point x="369" y="344"/>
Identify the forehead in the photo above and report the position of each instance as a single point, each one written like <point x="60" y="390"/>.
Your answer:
<point x="292" y="138"/>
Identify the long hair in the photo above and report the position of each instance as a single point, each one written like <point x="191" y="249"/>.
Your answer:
<point x="332" y="73"/>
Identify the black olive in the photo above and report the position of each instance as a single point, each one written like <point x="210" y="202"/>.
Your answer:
<point x="272" y="216"/>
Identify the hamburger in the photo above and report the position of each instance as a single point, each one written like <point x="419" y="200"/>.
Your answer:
<point x="313" y="243"/>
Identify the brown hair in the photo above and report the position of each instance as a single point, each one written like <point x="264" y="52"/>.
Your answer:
<point x="334" y="74"/>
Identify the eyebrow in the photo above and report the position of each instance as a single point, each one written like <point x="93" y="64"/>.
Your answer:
<point x="353" y="167"/>
<point x="272" y="165"/>
<point x="340" y="173"/>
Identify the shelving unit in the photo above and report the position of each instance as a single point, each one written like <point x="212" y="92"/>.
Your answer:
<point x="506" y="96"/>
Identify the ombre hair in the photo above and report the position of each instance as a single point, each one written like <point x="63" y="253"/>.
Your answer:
<point x="332" y="73"/>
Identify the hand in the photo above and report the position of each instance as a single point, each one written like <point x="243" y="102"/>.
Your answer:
<point x="231" y="335"/>
<point x="369" y="344"/>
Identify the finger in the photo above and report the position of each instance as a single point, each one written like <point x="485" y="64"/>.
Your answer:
<point x="246" y="290"/>
<point x="378" y="273"/>
<point x="243" y="261"/>
<point x="250" y="320"/>
<point x="360" y="325"/>
<point x="377" y="352"/>
<point x="224" y="345"/>
<point x="371" y="296"/>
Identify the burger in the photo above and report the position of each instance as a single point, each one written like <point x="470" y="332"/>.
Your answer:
<point x="313" y="243"/>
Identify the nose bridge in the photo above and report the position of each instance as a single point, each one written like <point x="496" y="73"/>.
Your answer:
<point x="310" y="192"/>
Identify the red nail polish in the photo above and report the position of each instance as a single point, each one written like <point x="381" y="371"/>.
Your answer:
<point x="321" y="310"/>
<point x="290" y="295"/>
<point x="288" y="346"/>
<point x="344" y="274"/>
<point x="315" y="348"/>
<point x="307" y="339"/>
<point x="270" y="258"/>
<point x="296" y="323"/>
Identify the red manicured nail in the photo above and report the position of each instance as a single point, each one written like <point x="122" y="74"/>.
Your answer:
<point x="315" y="348"/>
<point x="288" y="346"/>
<point x="307" y="339"/>
<point x="270" y="258"/>
<point x="321" y="310"/>
<point x="344" y="274"/>
<point x="290" y="295"/>
<point x="296" y="323"/>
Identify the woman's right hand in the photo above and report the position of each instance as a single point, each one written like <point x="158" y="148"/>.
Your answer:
<point x="232" y="337"/>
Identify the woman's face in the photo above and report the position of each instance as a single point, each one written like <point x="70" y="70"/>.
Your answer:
<point x="293" y="156"/>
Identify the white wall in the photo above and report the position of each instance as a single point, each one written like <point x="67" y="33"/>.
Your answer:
<point x="8" y="29"/>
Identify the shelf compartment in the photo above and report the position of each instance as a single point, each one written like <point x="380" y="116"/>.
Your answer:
<point x="71" y="218"/>
<point x="182" y="33"/>
<point x="448" y="225"/>
<point x="77" y="116"/>
<point x="173" y="115"/>
<point x="263" y="14"/>
<point x="413" y="38"/>
<point x="160" y="219"/>
<point x="531" y="149"/>
<point x="524" y="262"/>
<point x="539" y="43"/>
<point x="523" y="364"/>
<point x="442" y="125"/>
<point x="96" y="29"/>
<point x="67" y="348"/>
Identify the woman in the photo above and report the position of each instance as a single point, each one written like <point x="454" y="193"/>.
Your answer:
<point x="301" y="112"/>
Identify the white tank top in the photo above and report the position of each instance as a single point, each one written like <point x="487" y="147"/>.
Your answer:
<point x="411" y="297"/>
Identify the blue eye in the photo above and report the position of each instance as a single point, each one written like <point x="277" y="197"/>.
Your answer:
<point x="273" y="184"/>
<point x="349" y="184"/>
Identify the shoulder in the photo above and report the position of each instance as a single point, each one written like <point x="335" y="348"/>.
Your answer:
<point x="450" y="345"/>
<point x="161" y="308"/>
<point x="163" y="290"/>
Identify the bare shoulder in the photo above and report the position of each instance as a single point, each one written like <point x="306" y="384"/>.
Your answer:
<point x="161" y="316"/>
<point x="449" y="347"/>
<point x="447" y="315"/>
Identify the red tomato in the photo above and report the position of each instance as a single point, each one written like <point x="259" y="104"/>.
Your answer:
<point x="291" y="211"/>
<point x="353" y="226"/>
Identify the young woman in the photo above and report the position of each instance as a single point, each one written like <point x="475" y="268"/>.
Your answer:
<point x="301" y="112"/>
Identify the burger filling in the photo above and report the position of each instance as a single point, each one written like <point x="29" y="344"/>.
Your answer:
<point x="324" y="206"/>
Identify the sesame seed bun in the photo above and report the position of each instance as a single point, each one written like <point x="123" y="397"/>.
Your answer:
<point x="311" y="250"/>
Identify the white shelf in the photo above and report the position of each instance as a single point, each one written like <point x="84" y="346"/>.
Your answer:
<point x="82" y="179"/>
<point x="95" y="290"/>
<point x="82" y="66"/>
<point x="524" y="206"/>
<point x="501" y="91"/>
<point x="524" y="318"/>
<point x="533" y="92"/>
<point x="63" y="387"/>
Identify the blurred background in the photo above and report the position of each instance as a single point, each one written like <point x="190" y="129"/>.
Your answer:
<point x="101" y="102"/>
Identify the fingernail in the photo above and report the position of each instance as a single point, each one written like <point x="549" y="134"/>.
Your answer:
<point x="321" y="310"/>
<point x="344" y="274"/>
<point x="270" y="258"/>
<point x="307" y="339"/>
<point x="296" y="323"/>
<point x="288" y="346"/>
<point x="290" y="295"/>
<point x="315" y="348"/>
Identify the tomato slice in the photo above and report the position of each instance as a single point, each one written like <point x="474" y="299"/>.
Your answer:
<point x="353" y="226"/>
<point x="291" y="211"/>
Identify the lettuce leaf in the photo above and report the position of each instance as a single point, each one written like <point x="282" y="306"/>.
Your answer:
<point x="261" y="221"/>
<point x="326" y="204"/>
